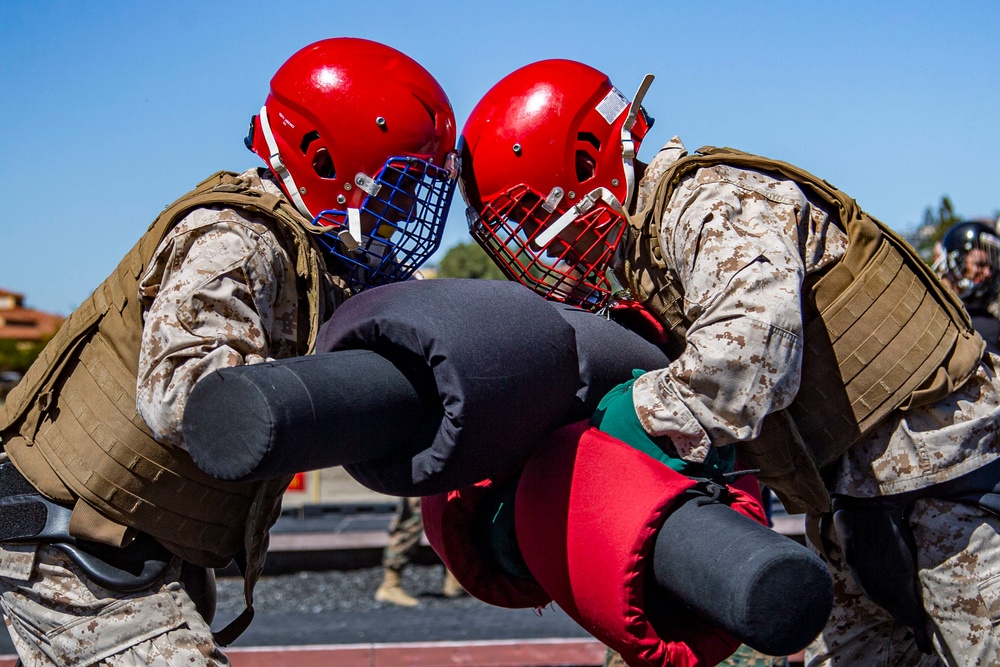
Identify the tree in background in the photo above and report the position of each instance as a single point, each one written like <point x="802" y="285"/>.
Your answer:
<point x="942" y="219"/>
<point x="15" y="358"/>
<point x="468" y="260"/>
<point x="936" y="223"/>
<point x="18" y="355"/>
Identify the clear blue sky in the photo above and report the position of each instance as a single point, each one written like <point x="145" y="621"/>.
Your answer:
<point x="113" y="109"/>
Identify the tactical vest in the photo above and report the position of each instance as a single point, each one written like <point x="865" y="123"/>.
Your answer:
<point x="71" y="426"/>
<point x="881" y="331"/>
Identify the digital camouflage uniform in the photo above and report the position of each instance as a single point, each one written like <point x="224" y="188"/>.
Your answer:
<point x="57" y="616"/>
<point x="223" y="293"/>
<point x="405" y="531"/>
<point x="740" y="243"/>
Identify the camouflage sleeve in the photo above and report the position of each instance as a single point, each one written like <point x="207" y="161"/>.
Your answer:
<point x="210" y="292"/>
<point x="732" y="237"/>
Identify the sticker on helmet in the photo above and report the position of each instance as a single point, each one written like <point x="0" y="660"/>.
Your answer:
<point x="612" y="106"/>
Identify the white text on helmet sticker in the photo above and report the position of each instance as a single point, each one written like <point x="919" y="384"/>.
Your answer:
<point x="612" y="106"/>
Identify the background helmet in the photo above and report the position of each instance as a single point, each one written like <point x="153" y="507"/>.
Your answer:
<point x="362" y="139"/>
<point x="970" y="261"/>
<point x="547" y="173"/>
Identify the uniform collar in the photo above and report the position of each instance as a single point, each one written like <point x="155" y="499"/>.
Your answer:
<point x="672" y="151"/>
<point x="259" y="178"/>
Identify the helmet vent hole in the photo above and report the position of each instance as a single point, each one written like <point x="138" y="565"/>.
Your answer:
<point x="590" y="139"/>
<point x="308" y="139"/>
<point x="323" y="164"/>
<point x="586" y="166"/>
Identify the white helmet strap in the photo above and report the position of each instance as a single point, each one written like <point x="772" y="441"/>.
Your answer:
<point x="354" y="224"/>
<point x="279" y="168"/>
<point x="574" y="212"/>
<point x="628" y="145"/>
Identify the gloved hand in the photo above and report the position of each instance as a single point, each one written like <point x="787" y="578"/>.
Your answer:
<point x="615" y="415"/>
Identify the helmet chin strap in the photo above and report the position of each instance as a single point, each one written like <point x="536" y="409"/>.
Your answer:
<point x="628" y="144"/>
<point x="585" y="204"/>
<point x="354" y="224"/>
<point x="279" y="168"/>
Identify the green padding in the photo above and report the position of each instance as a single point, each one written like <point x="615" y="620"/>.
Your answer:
<point x="493" y="529"/>
<point x="615" y="415"/>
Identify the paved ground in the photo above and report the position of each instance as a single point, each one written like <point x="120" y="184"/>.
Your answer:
<point x="324" y="567"/>
<point x="338" y="608"/>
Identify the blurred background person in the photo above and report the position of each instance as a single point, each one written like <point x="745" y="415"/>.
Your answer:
<point x="968" y="261"/>
<point x="405" y="532"/>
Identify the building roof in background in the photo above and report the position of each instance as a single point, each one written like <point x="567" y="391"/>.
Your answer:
<point x="20" y="323"/>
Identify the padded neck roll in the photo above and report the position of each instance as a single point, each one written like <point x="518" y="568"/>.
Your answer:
<point x="282" y="417"/>
<point x="502" y="361"/>
<point x="766" y="590"/>
<point x="608" y="352"/>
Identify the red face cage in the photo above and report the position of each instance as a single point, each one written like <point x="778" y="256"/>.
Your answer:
<point x="572" y="268"/>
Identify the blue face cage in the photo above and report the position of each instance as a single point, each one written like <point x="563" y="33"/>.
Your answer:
<point x="402" y="222"/>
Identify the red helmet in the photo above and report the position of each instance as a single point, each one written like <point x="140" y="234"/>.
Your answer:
<point x="547" y="174"/>
<point x="362" y="139"/>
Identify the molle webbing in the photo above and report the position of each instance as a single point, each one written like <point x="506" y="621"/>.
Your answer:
<point x="643" y="269"/>
<point x="883" y="339"/>
<point x="647" y="280"/>
<point x="157" y="489"/>
<point x="881" y="331"/>
<point x="72" y="428"/>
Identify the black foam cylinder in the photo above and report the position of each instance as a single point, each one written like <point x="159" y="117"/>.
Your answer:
<point x="765" y="589"/>
<point x="286" y="416"/>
